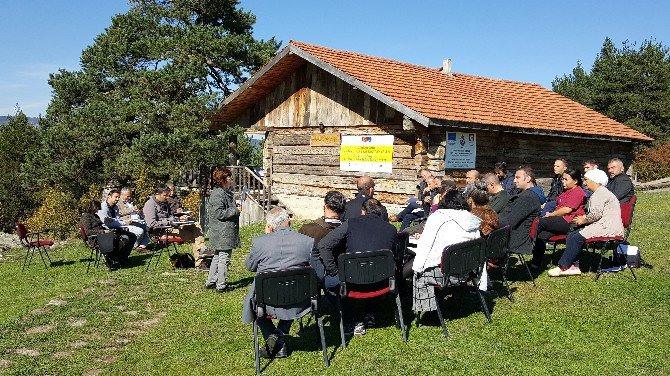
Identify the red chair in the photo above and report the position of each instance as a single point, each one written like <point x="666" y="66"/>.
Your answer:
<point x="163" y="242"/>
<point x="611" y="243"/>
<point x="33" y="242"/>
<point x="361" y="270"/>
<point x="91" y="243"/>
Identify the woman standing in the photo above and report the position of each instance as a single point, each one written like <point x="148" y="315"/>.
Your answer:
<point x="224" y="228"/>
<point x="569" y="204"/>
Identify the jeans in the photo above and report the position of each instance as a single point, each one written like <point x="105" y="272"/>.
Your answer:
<point x="574" y="244"/>
<point x="218" y="270"/>
<point x="406" y="215"/>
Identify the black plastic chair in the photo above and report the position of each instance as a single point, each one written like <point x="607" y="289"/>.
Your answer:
<point x="460" y="261"/>
<point x="533" y="236"/>
<point x="295" y="287"/>
<point x="360" y="270"/>
<point x="496" y="248"/>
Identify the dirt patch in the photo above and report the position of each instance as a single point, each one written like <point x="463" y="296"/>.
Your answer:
<point x="23" y="351"/>
<point x="169" y="273"/>
<point x="107" y="358"/>
<point x="56" y="302"/>
<point x="39" y="311"/>
<point x="62" y="354"/>
<point x="76" y="323"/>
<point x="92" y="372"/>
<point x="122" y="340"/>
<point x="120" y="307"/>
<point x="112" y="348"/>
<point x="78" y="344"/>
<point x="131" y="313"/>
<point x="183" y="280"/>
<point x="4" y="363"/>
<point x="150" y="322"/>
<point x="142" y="287"/>
<point x="88" y="290"/>
<point x="40" y="329"/>
<point x="108" y="282"/>
<point x="131" y="332"/>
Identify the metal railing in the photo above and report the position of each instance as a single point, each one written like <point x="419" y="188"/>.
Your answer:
<point x="247" y="184"/>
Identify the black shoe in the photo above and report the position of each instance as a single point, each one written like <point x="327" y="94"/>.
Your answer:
<point x="209" y="286"/>
<point x="274" y="347"/>
<point x="224" y="289"/>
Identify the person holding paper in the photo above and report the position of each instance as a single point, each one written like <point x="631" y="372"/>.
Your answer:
<point x="128" y="214"/>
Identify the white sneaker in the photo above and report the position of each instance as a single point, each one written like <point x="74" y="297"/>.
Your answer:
<point x="557" y="272"/>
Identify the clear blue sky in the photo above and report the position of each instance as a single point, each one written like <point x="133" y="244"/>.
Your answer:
<point x="532" y="41"/>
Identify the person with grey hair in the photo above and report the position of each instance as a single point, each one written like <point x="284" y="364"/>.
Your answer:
<point x="128" y="213"/>
<point x="279" y="248"/>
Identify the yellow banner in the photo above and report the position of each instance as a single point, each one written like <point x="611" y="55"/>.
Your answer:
<point x="354" y="153"/>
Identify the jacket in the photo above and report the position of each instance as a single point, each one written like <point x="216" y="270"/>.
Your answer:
<point x="365" y="233"/>
<point x="622" y="187"/>
<point x="556" y="187"/>
<point x="604" y="215"/>
<point x="156" y="213"/>
<point x="224" y="220"/>
<point x="92" y="224"/>
<point x="443" y="228"/>
<point x="111" y="212"/>
<point x="281" y="249"/>
<point x="519" y="215"/>
<point x="353" y="208"/>
<point x="498" y="201"/>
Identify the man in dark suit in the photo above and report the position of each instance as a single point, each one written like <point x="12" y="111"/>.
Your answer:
<point x="333" y="208"/>
<point x="368" y="232"/>
<point x="619" y="183"/>
<point x="279" y="248"/>
<point x="366" y="189"/>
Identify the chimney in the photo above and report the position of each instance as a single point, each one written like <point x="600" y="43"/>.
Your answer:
<point x="446" y="67"/>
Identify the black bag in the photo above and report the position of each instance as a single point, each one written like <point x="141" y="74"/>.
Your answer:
<point x="182" y="260"/>
<point x="106" y="242"/>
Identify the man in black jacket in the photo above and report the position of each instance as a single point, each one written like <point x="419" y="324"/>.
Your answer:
<point x="522" y="210"/>
<point x="620" y="183"/>
<point x="366" y="189"/>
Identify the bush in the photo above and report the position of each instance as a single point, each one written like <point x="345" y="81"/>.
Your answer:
<point x="653" y="163"/>
<point x="192" y="202"/>
<point x="144" y="185"/>
<point x="56" y="210"/>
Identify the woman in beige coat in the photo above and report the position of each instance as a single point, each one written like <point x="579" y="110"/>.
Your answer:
<point x="602" y="219"/>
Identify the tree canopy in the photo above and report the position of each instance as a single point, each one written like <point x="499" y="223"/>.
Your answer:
<point x="629" y="84"/>
<point x="141" y="98"/>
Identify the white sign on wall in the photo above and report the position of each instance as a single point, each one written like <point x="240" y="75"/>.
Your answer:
<point x="366" y="153"/>
<point x="461" y="151"/>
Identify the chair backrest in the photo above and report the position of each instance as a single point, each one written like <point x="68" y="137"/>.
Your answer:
<point x="533" y="228"/>
<point x="627" y="210"/>
<point x="462" y="258"/>
<point x="286" y="287"/>
<point x="21" y="230"/>
<point x="368" y="267"/>
<point x="497" y="243"/>
<point x="83" y="234"/>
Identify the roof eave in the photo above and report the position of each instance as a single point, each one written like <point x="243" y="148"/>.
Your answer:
<point x="533" y="131"/>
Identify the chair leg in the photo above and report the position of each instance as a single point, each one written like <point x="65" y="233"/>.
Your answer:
<point x="151" y="257"/>
<point x="25" y="259"/>
<point x="523" y="260"/>
<point x="300" y="324"/>
<point x="632" y="272"/>
<point x="402" y="321"/>
<point x="439" y="315"/>
<point x="344" y="340"/>
<point x="599" y="271"/>
<point x="46" y="252"/>
<point x="506" y="284"/>
<point x="322" y="337"/>
<point x="39" y="250"/>
<point x="485" y="307"/>
<point x="257" y="353"/>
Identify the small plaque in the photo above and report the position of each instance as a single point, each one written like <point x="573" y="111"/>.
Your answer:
<point x="324" y="139"/>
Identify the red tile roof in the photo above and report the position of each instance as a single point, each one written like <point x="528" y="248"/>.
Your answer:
<point x="472" y="99"/>
<point x="430" y="96"/>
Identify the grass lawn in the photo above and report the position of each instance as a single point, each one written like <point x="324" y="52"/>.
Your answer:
<point x="63" y="321"/>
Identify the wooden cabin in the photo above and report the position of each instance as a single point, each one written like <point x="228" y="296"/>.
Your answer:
<point x="330" y="116"/>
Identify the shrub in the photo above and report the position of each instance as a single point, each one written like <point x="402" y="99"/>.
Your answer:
<point x="653" y="163"/>
<point x="144" y="185"/>
<point x="57" y="209"/>
<point x="192" y="202"/>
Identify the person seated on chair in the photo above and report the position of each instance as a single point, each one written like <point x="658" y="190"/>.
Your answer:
<point x="603" y="219"/>
<point x="505" y="178"/>
<point x="499" y="197"/>
<point x="588" y="165"/>
<point x="478" y="200"/>
<point x="521" y="210"/>
<point x="157" y="213"/>
<point x="368" y="232"/>
<point x="128" y="213"/>
<point x="172" y="200"/>
<point x="333" y="208"/>
<point x="92" y="225"/>
<point x="452" y="223"/>
<point x="414" y="208"/>
<point x="366" y="189"/>
<point x="279" y="248"/>
<point x="471" y="177"/>
<point x="109" y="215"/>
<point x="619" y="183"/>
<point x="560" y="165"/>
<point x="569" y="204"/>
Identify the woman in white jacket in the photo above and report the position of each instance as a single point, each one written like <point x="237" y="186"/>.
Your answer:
<point x="452" y="223"/>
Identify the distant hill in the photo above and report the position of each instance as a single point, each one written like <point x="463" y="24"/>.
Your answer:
<point x="31" y="120"/>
